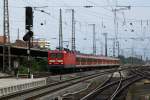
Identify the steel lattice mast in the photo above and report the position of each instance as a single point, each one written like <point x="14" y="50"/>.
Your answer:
<point x="73" y="31"/>
<point x="60" y="32"/>
<point x="6" y="37"/>
<point x="6" y="23"/>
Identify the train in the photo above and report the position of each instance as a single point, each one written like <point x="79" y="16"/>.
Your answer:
<point x="66" y="60"/>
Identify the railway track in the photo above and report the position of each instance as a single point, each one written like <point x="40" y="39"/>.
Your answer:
<point x="43" y="74"/>
<point x="50" y="88"/>
<point x="142" y="75"/>
<point x="78" y="95"/>
<point x="100" y="94"/>
<point x="54" y="87"/>
<point x="117" y="87"/>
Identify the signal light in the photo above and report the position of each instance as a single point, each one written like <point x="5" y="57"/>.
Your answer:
<point x="29" y="18"/>
<point x="27" y="36"/>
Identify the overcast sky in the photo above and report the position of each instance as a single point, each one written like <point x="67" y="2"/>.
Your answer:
<point x="100" y="13"/>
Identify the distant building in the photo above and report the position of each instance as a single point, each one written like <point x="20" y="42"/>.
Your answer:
<point x="2" y="39"/>
<point x="37" y="43"/>
<point x="41" y="43"/>
<point x="20" y="43"/>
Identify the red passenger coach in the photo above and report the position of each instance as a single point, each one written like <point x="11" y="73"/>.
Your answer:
<point x="95" y="61"/>
<point x="65" y="59"/>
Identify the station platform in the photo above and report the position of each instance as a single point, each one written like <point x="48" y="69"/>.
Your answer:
<point x="11" y="85"/>
<point x="3" y="74"/>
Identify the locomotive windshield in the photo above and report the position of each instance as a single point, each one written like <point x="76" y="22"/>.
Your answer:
<point x="56" y="55"/>
<point x="53" y="55"/>
<point x="59" y="55"/>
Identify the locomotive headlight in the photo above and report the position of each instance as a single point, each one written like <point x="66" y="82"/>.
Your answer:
<point x="59" y="60"/>
<point x="51" y="60"/>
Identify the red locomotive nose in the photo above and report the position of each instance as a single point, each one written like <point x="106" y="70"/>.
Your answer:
<point x="56" y="58"/>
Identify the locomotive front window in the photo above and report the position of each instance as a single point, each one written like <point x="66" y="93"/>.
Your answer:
<point x="59" y="55"/>
<point x="53" y="55"/>
<point x="56" y="55"/>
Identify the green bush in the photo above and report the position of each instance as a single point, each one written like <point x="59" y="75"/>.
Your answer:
<point x="23" y="70"/>
<point x="37" y="65"/>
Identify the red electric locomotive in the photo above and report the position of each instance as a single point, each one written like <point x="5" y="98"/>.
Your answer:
<point x="59" y="59"/>
<point x="68" y="60"/>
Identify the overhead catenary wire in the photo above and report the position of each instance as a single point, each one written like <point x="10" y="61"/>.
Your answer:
<point x="106" y="17"/>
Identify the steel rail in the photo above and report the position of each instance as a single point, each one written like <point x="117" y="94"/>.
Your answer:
<point x="104" y="83"/>
<point x="63" y="87"/>
<point x="91" y="95"/>
<point x="101" y="85"/>
<point x="139" y="73"/>
<point x="98" y="91"/>
<point x="55" y="84"/>
<point x="118" y="87"/>
<point x="126" y="86"/>
<point x="29" y="91"/>
<point x="45" y="93"/>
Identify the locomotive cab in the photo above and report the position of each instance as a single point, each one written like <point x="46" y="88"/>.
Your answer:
<point x="56" y="59"/>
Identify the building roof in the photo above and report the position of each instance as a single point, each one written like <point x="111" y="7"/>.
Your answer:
<point x="2" y="39"/>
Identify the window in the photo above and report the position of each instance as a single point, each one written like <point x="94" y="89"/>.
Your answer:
<point x="59" y="55"/>
<point x="78" y="59"/>
<point x="56" y="55"/>
<point x="53" y="55"/>
<point x="91" y="60"/>
<point x="83" y="60"/>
